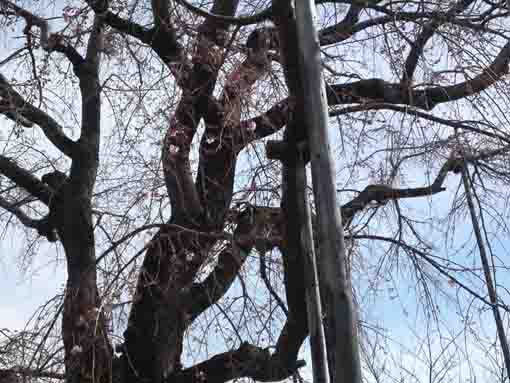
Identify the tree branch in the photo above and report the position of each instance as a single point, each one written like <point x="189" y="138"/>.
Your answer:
<point x="24" y="179"/>
<point x="84" y="169"/>
<point x="162" y="41"/>
<point x="338" y="33"/>
<point x="263" y="125"/>
<point x="247" y="361"/>
<point x="383" y="193"/>
<point x="195" y="103"/>
<point x="218" y="147"/>
<point x="251" y="223"/>
<point x="51" y="128"/>
<point x="343" y="29"/>
<point x="426" y="33"/>
<point x="126" y="26"/>
<point x="32" y="373"/>
<point x="430" y="260"/>
<point x="380" y="94"/>
<point x="240" y="20"/>
<point x="414" y="112"/>
<point x="49" y="42"/>
<point x="9" y="111"/>
<point x="382" y="91"/>
<point x="18" y="213"/>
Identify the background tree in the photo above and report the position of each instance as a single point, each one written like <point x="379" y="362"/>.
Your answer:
<point x="133" y="142"/>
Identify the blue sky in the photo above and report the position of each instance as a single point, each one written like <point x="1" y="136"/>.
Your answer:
<point x="26" y="287"/>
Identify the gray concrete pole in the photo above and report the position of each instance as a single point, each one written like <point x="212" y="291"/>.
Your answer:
<point x="340" y="322"/>
<point x="293" y="153"/>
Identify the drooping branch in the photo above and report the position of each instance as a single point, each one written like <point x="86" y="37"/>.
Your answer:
<point x="430" y="260"/>
<point x="344" y="30"/>
<point x="465" y="125"/>
<point x="249" y="360"/>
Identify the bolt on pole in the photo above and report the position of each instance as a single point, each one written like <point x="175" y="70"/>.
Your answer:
<point x="340" y="322"/>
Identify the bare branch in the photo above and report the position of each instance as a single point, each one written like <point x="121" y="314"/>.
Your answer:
<point x="31" y="19"/>
<point x="18" y="213"/>
<point x="162" y="40"/>
<point x="263" y="125"/>
<point x="343" y="29"/>
<point x="32" y="373"/>
<point x="383" y="193"/>
<point x="24" y="179"/>
<point x="341" y="32"/>
<point x="426" y="33"/>
<point x="251" y="223"/>
<point x="240" y="20"/>
<point x="49" y="42"/>
<point x="381" y="91"/>
<point x="218" y="148"/>
<point x="51" y="128"/>
<point x="95" y="43"/>
<point x="430" y="260"/>
<point x="466" y="125"/>
<point x="380" y="94"/>
<point x="247" y="361"/>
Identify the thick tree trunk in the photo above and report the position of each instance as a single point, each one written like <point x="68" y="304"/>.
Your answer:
<point x="88" y="354"/>
<point x="153" y="338"/>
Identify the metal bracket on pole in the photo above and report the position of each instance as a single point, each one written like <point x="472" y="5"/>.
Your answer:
<point x="276" y="150"/>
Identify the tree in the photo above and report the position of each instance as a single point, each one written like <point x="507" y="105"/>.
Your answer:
<point x="127" y="118"/>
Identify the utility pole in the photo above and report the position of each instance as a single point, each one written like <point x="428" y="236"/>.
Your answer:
<point x="293" y="153"/>
<point x="340" y="321"/>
